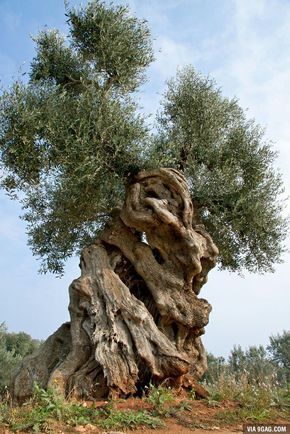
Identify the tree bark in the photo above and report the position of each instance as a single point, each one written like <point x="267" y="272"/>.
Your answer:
<point x="135" y="313"/>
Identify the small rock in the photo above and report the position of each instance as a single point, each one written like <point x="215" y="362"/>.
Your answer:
<point x="113" y="432"/>
<point x="80" y="428"/>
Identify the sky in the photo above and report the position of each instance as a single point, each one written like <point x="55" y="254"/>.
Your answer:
<point x="245" y="46"/>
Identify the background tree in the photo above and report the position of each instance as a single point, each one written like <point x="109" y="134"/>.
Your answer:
<point x="279" y="349"/>
<point x="253" y="363"/>
<point x="248" y="374"/>
<point x="13" y="347"/>
<point x="216" y="368"/>
<point x="73" y="143"/>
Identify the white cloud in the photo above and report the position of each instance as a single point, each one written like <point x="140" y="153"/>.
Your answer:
<point x="11" y="229"/>
<point x="10" y="19"/>
<point x="170" y="55"/>
<point x="7" y="69"/>
<point x="257" y="68"/>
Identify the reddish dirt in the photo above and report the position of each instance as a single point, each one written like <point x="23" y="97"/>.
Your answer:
<point x="172" y="427"/>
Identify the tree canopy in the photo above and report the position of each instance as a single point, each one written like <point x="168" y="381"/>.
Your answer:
<point x="279" y="349"/>
<point x="72" y="136"/>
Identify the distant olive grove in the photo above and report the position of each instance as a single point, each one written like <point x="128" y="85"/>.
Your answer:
<point x="255" y="365"/>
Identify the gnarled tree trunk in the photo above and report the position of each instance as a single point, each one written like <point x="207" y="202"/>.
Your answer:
<point x="135" y="312"/>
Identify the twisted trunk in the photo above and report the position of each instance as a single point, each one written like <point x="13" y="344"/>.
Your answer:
<point x="135" y="312"/>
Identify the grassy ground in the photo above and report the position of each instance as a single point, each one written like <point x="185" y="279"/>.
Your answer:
<point x="230" y="404"/>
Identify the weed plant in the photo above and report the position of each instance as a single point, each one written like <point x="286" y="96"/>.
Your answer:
<point x="160" y="398"/>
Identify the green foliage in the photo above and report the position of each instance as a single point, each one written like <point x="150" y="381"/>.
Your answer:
<point x="130" y="419"/>
<point x="233" y="417"/>
<point x="257" y="380"/>
<point x="279" y="349"/>
<point x="116" y="43"/>
<point x="160" y="397"/>
<point x="7" y="360"/>
<point x="256" y="401"/>
<point x="13" y="347"/>
<point x="229" y="166"/>
<point x="49" y="401"/>
<point x="4" y="413"/>
<point x="7" y="365"/>
<point x="254" y="378"/>
<point x="254" y="362"/>
<point x="216" y="367"/>
<point x="283" y="398"/>
<point x="255" y="365"/>
<point x="48" y="412"/>
<point x="47" y="407"/>
<point x="56" y="62"/>
<point x="71" y="138"/>
<point x="256" y="404"/>
<point x="20" y="344"/>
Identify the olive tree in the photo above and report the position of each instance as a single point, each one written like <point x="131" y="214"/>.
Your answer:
<point x="150" y="210"/>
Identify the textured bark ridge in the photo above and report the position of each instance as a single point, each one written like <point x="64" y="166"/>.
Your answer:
<point x="135" y="312"/>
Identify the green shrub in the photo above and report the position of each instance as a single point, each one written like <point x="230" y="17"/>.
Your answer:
<point x="13" y="347"/>
<point x="160" y="397"/>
